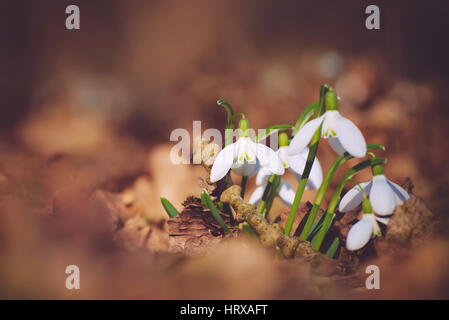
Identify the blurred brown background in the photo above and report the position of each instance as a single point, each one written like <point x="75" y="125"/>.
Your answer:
<point x="94" y="108"/>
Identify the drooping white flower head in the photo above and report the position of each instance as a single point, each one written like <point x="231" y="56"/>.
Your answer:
<point x="342" y="133"/>
<point x="245" y="156"/>
<point x="384" y="195"/>
<point x="361" y="232"/>
<point x="296" y="164"/>
<point x="286" y="192"/>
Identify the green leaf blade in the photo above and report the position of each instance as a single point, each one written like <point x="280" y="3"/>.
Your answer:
<point x="333" y="249"/>
<point x="169" y="208"/>
<point x="205" y="198"/>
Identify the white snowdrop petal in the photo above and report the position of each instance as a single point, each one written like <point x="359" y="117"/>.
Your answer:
<point x="305" y="153"/>
<point x="297" y="163"/>
<point x="268" y="158"/>
<point x="330" y="123"/>
<point x="359" y="234"/>
<point x="262" y="176"/>
<point x="286" y="193"/>
<point x="256" y="196"/>
<point x="350" y="137"/>
<point x="400" y="194"/>
<point x="383" y="220"/>
<point x="381" y="196"/>
<point x="354" y="197"/>
<point x="316" y="175"/>
<point x="245" y="151"/>
<point x="283" y="155"/>
<point x="304" y="135"/>
<point x="336" y="145"/>
<point x="223" y="163"/>
<point x="245" y="169"/>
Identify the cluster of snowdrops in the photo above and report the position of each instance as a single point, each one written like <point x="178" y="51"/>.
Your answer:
<point x="296" y="152"/>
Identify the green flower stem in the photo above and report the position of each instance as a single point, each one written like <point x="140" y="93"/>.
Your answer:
<point x="318" y="240"/>
<point x="303" y="182"/>
<point x="243" y="186"/>
<point x="305" y="116"/>
<point x="273" y="193"/>
<point x="313" y="148"/>
<point x="229" y="111"/>
<point x="321" y="193"/>
<point x="230" y="125"/>
<point x="366" y="205"/>
<point x="263" y="202"/>
<point x="267" y="131"/>
<point x="283" y="141"/>
<point x="262" y="205"/>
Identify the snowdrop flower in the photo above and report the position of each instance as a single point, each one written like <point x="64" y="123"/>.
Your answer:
<point x="384" y="194"/>
<point x="296" y="164"/>
<point x="245" y="156"/>
<point x="361" y="232"/>
<point x="286" y="192"/>
<point x="343" y="134"/>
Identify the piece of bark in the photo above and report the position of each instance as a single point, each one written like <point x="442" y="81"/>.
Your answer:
<point x="194" y="230"/>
